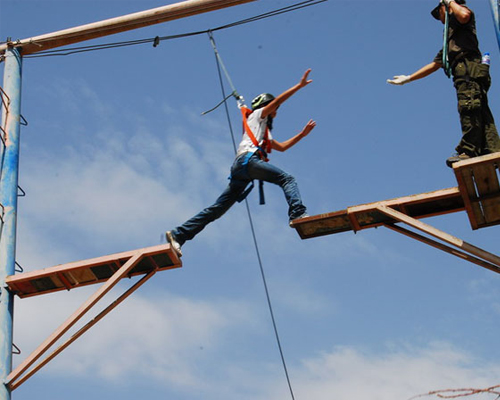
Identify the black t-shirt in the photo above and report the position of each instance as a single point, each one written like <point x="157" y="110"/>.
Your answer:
<point x="462" y="41"/>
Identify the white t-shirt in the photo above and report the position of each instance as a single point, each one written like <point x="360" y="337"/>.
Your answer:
<point x="258" y="126"/>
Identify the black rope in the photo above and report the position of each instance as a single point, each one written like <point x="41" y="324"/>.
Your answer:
<point x="156" y="40"/>
<point x="254" y="236"/>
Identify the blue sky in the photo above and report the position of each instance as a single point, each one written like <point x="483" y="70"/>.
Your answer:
<point x="116" y="152"/>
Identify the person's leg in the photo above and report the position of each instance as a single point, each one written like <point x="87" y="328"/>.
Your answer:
<point x="469" y="96"/>
<point x="261" y="170"/>
<point x="491" y="139"/>
<point x="189" y="229"/>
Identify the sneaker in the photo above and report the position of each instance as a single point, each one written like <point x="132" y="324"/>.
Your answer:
<point x="173" y="243"/>
<point x="299" y="217"/>
<point x="456" y="158"/>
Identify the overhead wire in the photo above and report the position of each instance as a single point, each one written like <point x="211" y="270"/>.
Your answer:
<point x="220" y="65"/>
<point x="156" y="40"/>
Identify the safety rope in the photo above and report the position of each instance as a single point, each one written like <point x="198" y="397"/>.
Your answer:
<point x="254" y="236"/>
<point x="495" y="12"/>
<point x="446" y="61"/>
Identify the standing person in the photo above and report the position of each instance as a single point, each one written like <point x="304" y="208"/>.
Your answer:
<point x="471" y="79"/>
<point x="251" y="163"/>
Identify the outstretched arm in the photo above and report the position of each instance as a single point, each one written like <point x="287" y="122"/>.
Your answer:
<point x="284" y="146"/>
<point x="421" y="73"/>
<point x="273" y="105"/>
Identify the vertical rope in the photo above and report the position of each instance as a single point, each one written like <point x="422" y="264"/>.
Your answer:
<point x="495" y="11"/>
<point x="254" y="236"/>
<point x="446" y="61"/>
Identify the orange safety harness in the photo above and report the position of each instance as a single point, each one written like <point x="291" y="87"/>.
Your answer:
<point x="263" y="149"/>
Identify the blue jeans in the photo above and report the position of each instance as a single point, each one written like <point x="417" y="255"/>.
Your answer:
<point x="243" y="171"/>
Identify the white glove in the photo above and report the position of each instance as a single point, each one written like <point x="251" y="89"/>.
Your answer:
<point x="399" y="80"/>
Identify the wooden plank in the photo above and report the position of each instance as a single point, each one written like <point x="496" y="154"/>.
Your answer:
<point x="323" y="224"/>
<point x="15" y="384"/>
<point x="365" y="216"/>
<point x="445" y="237"/>
<point x="87" y="272"/>
<point x="445" y="248"/>
<point x="469" y="195"/>
<point x="478" y="181"/>
<point x="71" y="321"/>
<point x="489" y="158"/>
<point x="486" y="180"/>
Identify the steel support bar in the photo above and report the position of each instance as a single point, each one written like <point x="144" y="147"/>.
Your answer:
<point x="15" y="384"/>
<point x="495" y="10"/>
<point x="71" y="321"/>
<point x="8" y="198"/>
<point x="121" y="24"/>
<point x="445" y="237"/>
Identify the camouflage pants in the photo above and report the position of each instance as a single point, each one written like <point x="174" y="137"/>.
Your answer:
<point x="479" y="133"/>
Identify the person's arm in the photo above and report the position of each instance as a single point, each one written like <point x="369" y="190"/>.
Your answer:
<point x="421" y="73"/>
<point x="425" y="71"/>
<point x="279" y="100"/>
<point x="462" y="13"/>
<point x="284" y="146"/>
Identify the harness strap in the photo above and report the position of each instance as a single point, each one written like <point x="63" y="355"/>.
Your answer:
<point x="262" y="199"/>
<point x="261" y="152"/>
<point x="249" y="188"/>
<point x="245" y="193"/>
<point x="266" y="145"/>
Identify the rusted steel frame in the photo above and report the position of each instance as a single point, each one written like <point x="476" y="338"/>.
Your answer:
<point x="123" y="23"/>
<point x="445" y="237"/>
<point x="72" y="320"/>
<point x="15" y="384"/>
<point x="443" y="247"/>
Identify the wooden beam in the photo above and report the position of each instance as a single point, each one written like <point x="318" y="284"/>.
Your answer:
<point x="119" y="24"/>
<point x="479" y="183"/>
<point x="365" y="216"/>
<point x="71" y="321"/>
<point x="443" y="247"/>
<point x="14" y="385"/>
<point x="82" y="273"/>
<point x="445" y="237"/>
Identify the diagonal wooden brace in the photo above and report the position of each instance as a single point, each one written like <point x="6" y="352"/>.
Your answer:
<point x="443" y="247"/>
<point x="14" y="385"/>
<point x="491" y="259"/>
<point x="73" y="319"/>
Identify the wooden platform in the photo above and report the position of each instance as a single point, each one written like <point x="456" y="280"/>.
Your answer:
<point x="87" y="272"/>
<point x="367" y="216"/>
<point x="478" y="193"/>
<point x="478" y="181"/>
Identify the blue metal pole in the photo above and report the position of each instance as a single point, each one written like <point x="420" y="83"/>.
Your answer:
<point x="8" y="199"/>
<point x="495" y="9"/>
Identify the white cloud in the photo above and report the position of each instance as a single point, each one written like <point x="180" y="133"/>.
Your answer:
<point x="163" y="339"/>
<point x="113" y="185"/>
<point x="400" y="373"/>
<point x="181" y="344"/>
